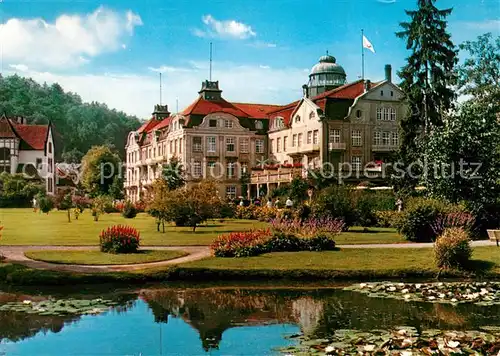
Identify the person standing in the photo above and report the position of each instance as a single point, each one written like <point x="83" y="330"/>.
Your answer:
<point x="269" y="203"/>
<point x="289" y="203"/>
<point x="34" y="203"/>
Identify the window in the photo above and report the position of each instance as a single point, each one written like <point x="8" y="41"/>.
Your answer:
<point x="393" y="114"/>
<point x="259" y="146"/>
<point x="211" y="144"/>
<point x="38" y="163"/>
<point x="359" y="113"/>
<point x="212" y="123"/>
<point x="309" y="137"/>
<point x="230" y="169"/>
<point x="376" y="138"/>
<point x="228" y="124"/>
<point x="315" y="137"/>
<point x="231" y="191"/>
<point x="50" y="164"/>
<point x="311" y="115"/>
<point x="379" y="113"/>
<point x="381" y="93"/>
<point x="197" y="169"/>
<point x="258" y="125"/>
<point x="180" y="145"/>
<point x="334" y="135"/>
<point x="294" y="140"/>
<point x="230" y="144"/>
<point x="278" y="144"/>
<point x="386" y="114"/>
<point x="197" y="144"/>
<point x="176" y="146"/>
<point x="50" y="147"/>
<point x="211" y="164"/>
<point x="244" y="145"/>
<point x="5" y="159"/>
<point x="386" y="138"/>
<point x="50" y="185"/>
<point x="171" y="147"/>
<point x="154" y="152"/>
<point x="271" y="146"/>
<point x="356" y="137"/>
<point x="299" y="142"/>
<point x="244" y="168"/>
<point x="285" y="143"/>
<point x="356" y="163"/>
<point x="395" y="139"/>
<point x="297" y="118"/>
<point x="392" y="93"/>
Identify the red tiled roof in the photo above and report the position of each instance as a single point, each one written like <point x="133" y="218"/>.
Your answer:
<point x="6" y="129"/>
<point x="258" y="111"/>
<point x="148" y="125"/>
<point x="204" y="107"/>
<point x="163" y="123"/>
<point x="33" y="135"/>
<point x="347" y="91"/>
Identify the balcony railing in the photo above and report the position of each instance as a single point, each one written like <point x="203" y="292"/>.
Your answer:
<point x="333" y="146"/>
<point x="281" y="175"/>
<point x="384" y="148"/>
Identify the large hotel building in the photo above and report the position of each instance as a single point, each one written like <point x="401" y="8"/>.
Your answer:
<point x="352" y="125"/>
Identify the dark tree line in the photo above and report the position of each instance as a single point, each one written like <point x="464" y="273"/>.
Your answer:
<point x="79" y="125"/>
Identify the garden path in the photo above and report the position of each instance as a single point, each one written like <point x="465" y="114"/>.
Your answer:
<point x="15" y="254"/>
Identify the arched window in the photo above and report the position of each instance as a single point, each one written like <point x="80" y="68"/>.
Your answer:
<point x="5" y="159"/>
<point x="359" y="113"/>
<point x="311" y="115"/>
<point x="297" y="118"/>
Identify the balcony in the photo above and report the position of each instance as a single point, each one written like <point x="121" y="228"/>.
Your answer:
<point x="336" y="146"/>
<point x="211" y="154"/>
<point x="281" y="175"/>
<point x="231" y="154"/>
<point x="384" y="148"/>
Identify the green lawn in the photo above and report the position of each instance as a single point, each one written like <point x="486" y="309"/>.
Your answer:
<point x="379" y="260"/>
<point x="101" y="258"/>
<point x="23" y="227"/>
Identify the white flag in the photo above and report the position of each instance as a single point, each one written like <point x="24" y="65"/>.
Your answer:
<point x="368" y="44"/>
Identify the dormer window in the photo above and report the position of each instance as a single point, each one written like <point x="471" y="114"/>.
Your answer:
<point x="212" y="123"/>
<point x="258" y="125"/>
<point x="228" y="124"/>
<point x="359" y="113"/>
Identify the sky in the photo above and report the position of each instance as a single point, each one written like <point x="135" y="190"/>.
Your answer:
<point x="114" y="51"/>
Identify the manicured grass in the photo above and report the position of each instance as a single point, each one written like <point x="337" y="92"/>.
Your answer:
<point x="101" y="258"/>
<point x="373" y="235"/>
<point x="23" y="227"/>
<point x="486" y="259"/>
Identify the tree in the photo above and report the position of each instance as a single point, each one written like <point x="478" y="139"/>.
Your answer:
<point x="116" y="189"/>
<point x="244" y="181"/>
<point x="173" y="173"/>
<point x="298" y="189"/>
<point x="72" y="156"/>
<point x="479" y="76"/>
<point x="100" y="166"/>
<point x="427" y="77"/>
<point x="160" y="205"/>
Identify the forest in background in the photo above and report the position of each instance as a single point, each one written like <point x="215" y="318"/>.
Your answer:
<point x="79" y="125"/>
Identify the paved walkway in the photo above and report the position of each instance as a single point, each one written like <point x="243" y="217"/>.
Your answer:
<point x="15" y="254"/>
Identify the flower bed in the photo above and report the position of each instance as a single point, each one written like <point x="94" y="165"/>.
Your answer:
<point x="284" y="236"/>
<point x="480" y="293"/>
<point x="119" y="239"/>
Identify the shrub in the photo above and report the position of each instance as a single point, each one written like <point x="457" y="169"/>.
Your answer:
<point x="335" y="202"/>
<point x="129" y="211"/>
<point x="2" y="257"/>
<point x="63" y="200"/>
<point x="264" y="213"/>
<point x="308" y="228"/>
<point x="365" y="206"/>
<point x="416" y="222"/>
<point x="81" y="202"/>
<point x="140" y="206"/>
<point x="46" y="203"/>
<point x="119" y="239"/>
<point x="246" y="212"/>
<point x="387" y="218"/>
<point x="452" y="248"/>
<point x="448" y="220"/>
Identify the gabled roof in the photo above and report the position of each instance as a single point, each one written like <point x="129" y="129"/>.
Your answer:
<point x="346" y="91"/>
<point x="148" y="125"/>
<point x="257" y="111"/>
<point x="34" y="135"/>
<point x="163" y="123"/>
<point x="204" y="107"/>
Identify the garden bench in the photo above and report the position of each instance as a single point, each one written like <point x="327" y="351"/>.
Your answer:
<point x="494" y="235"/>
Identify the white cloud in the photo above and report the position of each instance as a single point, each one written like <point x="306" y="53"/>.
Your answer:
<point x="19" y="67"/>
<point x="71" y="40"/>
<point x="224" y="29"/>
<point x="138" y="93"/>
<point x="487" y="25"/>
<point x="261" y="44"/>
<point x="171" y="69"/>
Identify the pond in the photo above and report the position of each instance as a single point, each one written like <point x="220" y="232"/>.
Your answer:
<point x="161" y="320"/>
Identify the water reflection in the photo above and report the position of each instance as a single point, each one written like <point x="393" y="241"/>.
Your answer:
<point x="224" y="319"/>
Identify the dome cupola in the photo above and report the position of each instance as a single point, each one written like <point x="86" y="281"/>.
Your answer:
<point x="326" y="75"/>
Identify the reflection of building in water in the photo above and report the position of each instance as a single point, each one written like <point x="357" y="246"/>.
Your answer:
<point x="308" y="312"/>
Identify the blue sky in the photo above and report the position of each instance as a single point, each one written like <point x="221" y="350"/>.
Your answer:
<point x="113" y="51"/>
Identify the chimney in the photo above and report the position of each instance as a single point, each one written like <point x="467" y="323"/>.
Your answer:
<point x="305" y="90"/>
<point x="388" y="73"/>
<point x="367" y="85"/>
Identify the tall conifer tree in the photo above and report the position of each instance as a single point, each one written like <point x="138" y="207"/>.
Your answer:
<point x="428" y="75"/>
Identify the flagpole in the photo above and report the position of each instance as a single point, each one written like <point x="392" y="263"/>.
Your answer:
<point x="362" y="57"/>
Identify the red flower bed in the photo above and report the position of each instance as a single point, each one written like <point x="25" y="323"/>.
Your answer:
<point x="119" y="239"/>
<point x="240" y="244"/>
